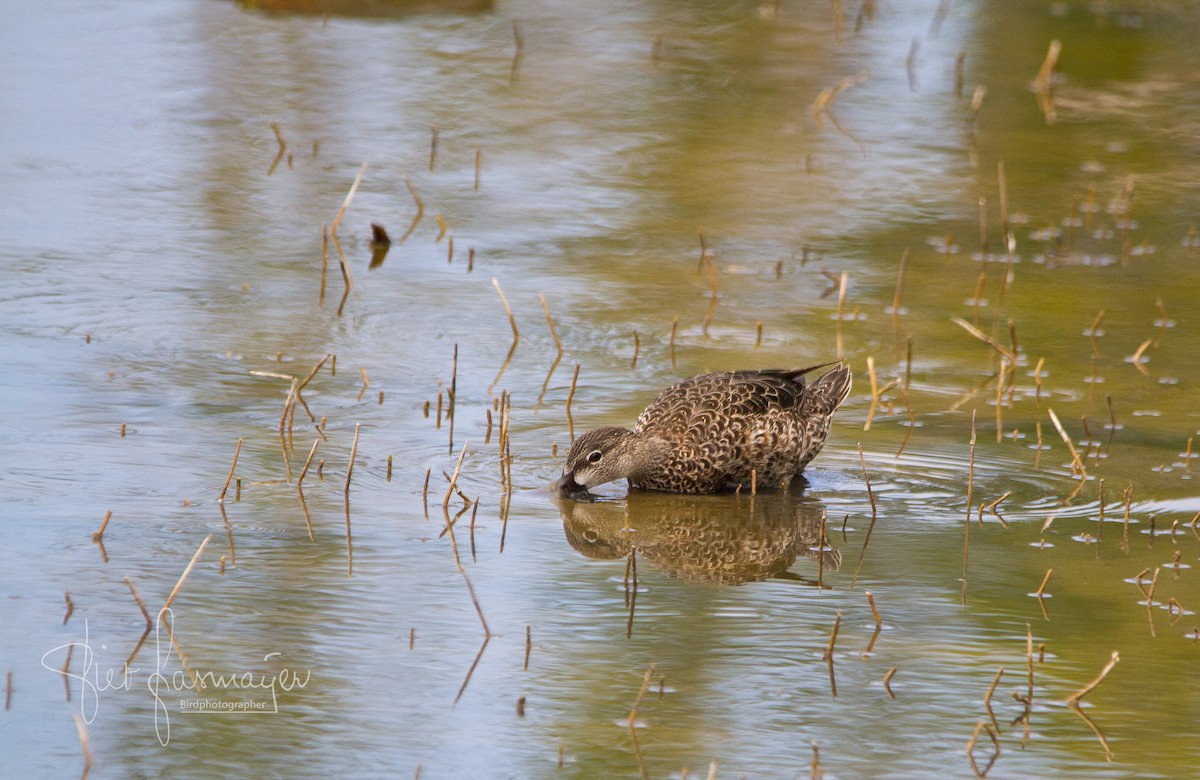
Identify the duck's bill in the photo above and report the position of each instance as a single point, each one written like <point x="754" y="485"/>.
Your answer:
<point x="567" y="486"/>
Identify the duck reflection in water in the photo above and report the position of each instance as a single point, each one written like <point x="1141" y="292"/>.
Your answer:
<point x="728" y="539"/>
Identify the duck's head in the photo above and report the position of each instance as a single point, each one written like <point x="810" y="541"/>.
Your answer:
<point x="600" y="456"/>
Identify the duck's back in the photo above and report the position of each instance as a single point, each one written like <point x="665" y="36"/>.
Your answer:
<point x="727" y="425"/>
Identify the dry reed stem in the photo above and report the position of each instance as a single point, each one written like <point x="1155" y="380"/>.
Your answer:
<point x="1127" y="494"/>
<point x="1077" y="462"/>
<point x="636" y="349"/>
<point x="1042" y="588"/>
<point x="98" y="536"/>
<point x="466" y="680"/>
<point x="433" y="146"/>
<point x="896" y="299"/>
<point x="1042" y="88"/>
<point x="633" y="712"/>
<point x="876" y="392"/>
<point x="138" y="598"/>
<point x="353" y="452"/>
<point x="1094" y="333"/>
<point x="987" y="697"/>
<point x="570" y="396"/>
<point x="183" y="577"/>
<point x="874" y="516"/>
<point x="366" y="382"/>
<point x="887" y="681"/>
<point x="550" y="322"/>
<point x="307" y="463"/>
<point x="992" y="507"/>
<point x="507" y="310"/>
<point x="346" y="202"/>
<point x="478" y="164"/>
<point x="454" y="478"/>
<point x="991" y="342"/>
<point x="1136" y="358"/>
<point x="837" y="622"/>
<point x="304" y="383"/>
<point x="228" y="478"/>
<point x="874" y="611"/>
<point x="1074" y="698"/>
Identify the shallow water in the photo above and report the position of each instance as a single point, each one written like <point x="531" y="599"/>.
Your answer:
<point x="160" y="287"/>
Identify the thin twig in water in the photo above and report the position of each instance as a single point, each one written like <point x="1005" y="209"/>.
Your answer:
<point x="228" y="479"/>
<point x="353" y="452"/>
<point x="1113" y="659"/>
<point x="191" y="564"/>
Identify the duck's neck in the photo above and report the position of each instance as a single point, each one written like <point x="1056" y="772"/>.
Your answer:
<point x="649" y="457"/>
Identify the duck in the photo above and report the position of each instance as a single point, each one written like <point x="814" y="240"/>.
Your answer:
<point x="715" y="432"/>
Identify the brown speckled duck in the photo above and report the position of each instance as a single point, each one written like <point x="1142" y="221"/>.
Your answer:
<point x="715" y="432"/>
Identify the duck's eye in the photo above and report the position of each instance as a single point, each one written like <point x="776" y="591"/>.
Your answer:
<point x="594" y="456"/>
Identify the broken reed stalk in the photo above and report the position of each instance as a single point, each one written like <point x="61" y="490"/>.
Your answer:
<point x="1040" y="592"/>
<point x="1094" y="333"/>
<point x="633" y="712"/>
<point x="987" y="697"/>
<point x="570" y="396"/>
<point x="887" y="681"/>
<point x="896" y="299"/>
<point x="991" y="342"/>
<point x="304" y="383"/>
<point x="433" y="144"/>
<point x="98" y="536"/>
<point x="454" y="478"/>
<point x="183" y="577"/>
<point x="353" y="452"/>
<point x="1073" y="699"/>
<point x="478" y="163"/>
<point x="366" y="382"/>
<point x="1136" y="359"/>
<point x="550" y="322"/>
<point x="636" y="348"/>
<point x="307" y="463"/>
<point x="138" y="598"/>
<point x="507" y="310"/>
<point x="862" y="553"/>
<point x="228" y="478"/>
<point x="346" y="202"/>
<point x="874" y="611"/>
<point x="912" y="418"/>
<point x="1077" y="462"/>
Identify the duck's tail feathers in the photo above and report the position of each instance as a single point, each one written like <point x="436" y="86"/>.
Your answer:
<point x="830" y="389"/>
